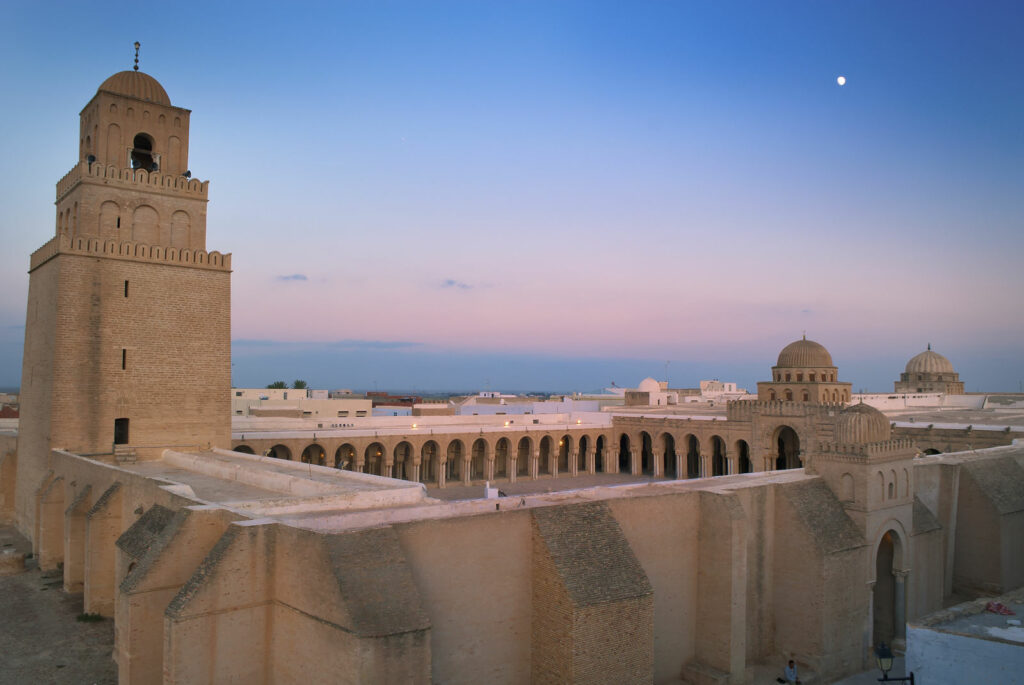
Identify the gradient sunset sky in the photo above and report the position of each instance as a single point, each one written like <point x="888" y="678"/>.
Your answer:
<point x="557" y="195"/>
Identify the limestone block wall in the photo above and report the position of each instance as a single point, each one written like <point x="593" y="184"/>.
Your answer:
<point x="592" y="618"/>
<point x="818" y="568"/>
<point x="473" y="575"/>
<point x="989" y="555"/>
<point x="663" y="534"/>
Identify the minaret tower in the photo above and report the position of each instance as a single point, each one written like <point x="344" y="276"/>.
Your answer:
<point x="128" y="332"/>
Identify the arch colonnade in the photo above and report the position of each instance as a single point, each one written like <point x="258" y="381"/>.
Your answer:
<point x="439" y="458"/>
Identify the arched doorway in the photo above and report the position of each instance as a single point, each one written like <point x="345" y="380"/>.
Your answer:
<point x="244" y="449"/>
<point x="787" y="444"/>
<point x="646" y="453"/>
<point x="692" y="457"/>
<point x="564" y="449"/>
<point x="429" y="467"/>
<point x="501" y="458"/>
<point x="478" y="459"/>
<point x="544" y="459"/>
<point x="313" y="454"/>
<point x="743" y="457"/>
<point x="889" y="593"/>
<point x="927" y="452"/>
<point x="403" y="460"/>
<point x="624" y="456"/>
<point x="581" y="464"/>
<point x="345" y="457"/>
<point x="718" y="464"/>
<point x="669" y="456"/>
<point x="523" y="457"/>
<point x="279" y="452"/>
<point x="374" y="459"/>
<point x="453" y="464"/>
<point x="599" y="449"/>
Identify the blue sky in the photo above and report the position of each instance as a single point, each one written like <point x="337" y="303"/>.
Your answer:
<point x="560" y="194"/>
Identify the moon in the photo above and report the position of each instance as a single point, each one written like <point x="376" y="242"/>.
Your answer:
<point x="841" y="80"/>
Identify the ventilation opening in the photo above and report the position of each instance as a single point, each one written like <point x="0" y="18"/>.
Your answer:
<point x="124" y="359"/>
<point x="120" y="431"/>
<point x="142" y="153"/>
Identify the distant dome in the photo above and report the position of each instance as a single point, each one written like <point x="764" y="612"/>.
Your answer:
<point x="136" y="84"/>
<point x="861" y="423"/>
<point x="929" y="362"/>
<point x="804" y="354"/>
<point x="649" y="385"/>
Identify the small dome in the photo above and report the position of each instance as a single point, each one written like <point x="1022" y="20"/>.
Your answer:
<point x="804" y="354"/>
<point x="649" y="385"/>
<point x="136" y="84"/>
<point x="929" y="362"/>
<point x="862" y="423"/>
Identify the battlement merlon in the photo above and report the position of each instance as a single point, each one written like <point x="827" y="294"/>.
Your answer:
<point x="132" y="179"/>
<point x="744" y="410"/>
<point x="130" y="251"/>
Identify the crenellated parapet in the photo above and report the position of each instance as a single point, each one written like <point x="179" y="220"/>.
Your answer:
<point x="132" y="251"/>
<point x="137" y="179"/>
<point x="887" y="450"/>
<point x="746" y="410"/>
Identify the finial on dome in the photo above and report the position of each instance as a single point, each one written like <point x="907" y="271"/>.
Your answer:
<point x="137" y="46"/>
<point x="929" y="346"/>
<point x="805" y="335"/>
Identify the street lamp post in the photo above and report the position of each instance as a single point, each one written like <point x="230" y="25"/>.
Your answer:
<point x="883" y="658"/>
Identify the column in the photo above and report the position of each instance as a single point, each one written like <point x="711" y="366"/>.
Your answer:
<point x="658" y="466"/>
<point x="489" y="469"/>
<point x="574" y="463"/>
<point x="680" y="464"/>
<point x="467" y="469"/>
<point x="899" y="611"/>
<point x="513" y="467"/>
<point x="442" y="467"/>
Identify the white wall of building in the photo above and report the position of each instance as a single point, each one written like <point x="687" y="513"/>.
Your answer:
<point x="938" y="657"/>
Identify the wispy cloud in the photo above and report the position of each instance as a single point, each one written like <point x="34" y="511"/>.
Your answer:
<point x="331" y="344"/>
<point x="293" y="277"/>
<point x="458" y="285"/>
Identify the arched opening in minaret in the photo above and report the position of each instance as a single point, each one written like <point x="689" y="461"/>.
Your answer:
<point x="142" y="153"/>
<point x="788" y="444"/>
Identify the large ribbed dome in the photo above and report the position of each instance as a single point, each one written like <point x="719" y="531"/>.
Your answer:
<point x="862" y="423"/>
<point x="804" y="354"/>
<point x="929" y="362"/>
<point x="136" y="84"/>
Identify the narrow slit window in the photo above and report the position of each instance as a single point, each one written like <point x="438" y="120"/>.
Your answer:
<point x="124" y="358"/>
<point x="118" y="224"/>
<point x="126" y="288"/>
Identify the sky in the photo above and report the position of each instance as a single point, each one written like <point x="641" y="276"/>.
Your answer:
<point x="557" y="195"/>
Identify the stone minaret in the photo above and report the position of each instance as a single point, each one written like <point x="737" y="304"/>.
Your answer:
<point x="128" y="331"/>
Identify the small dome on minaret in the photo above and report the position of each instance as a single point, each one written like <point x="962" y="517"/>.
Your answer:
<point x="136" y="84"/>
